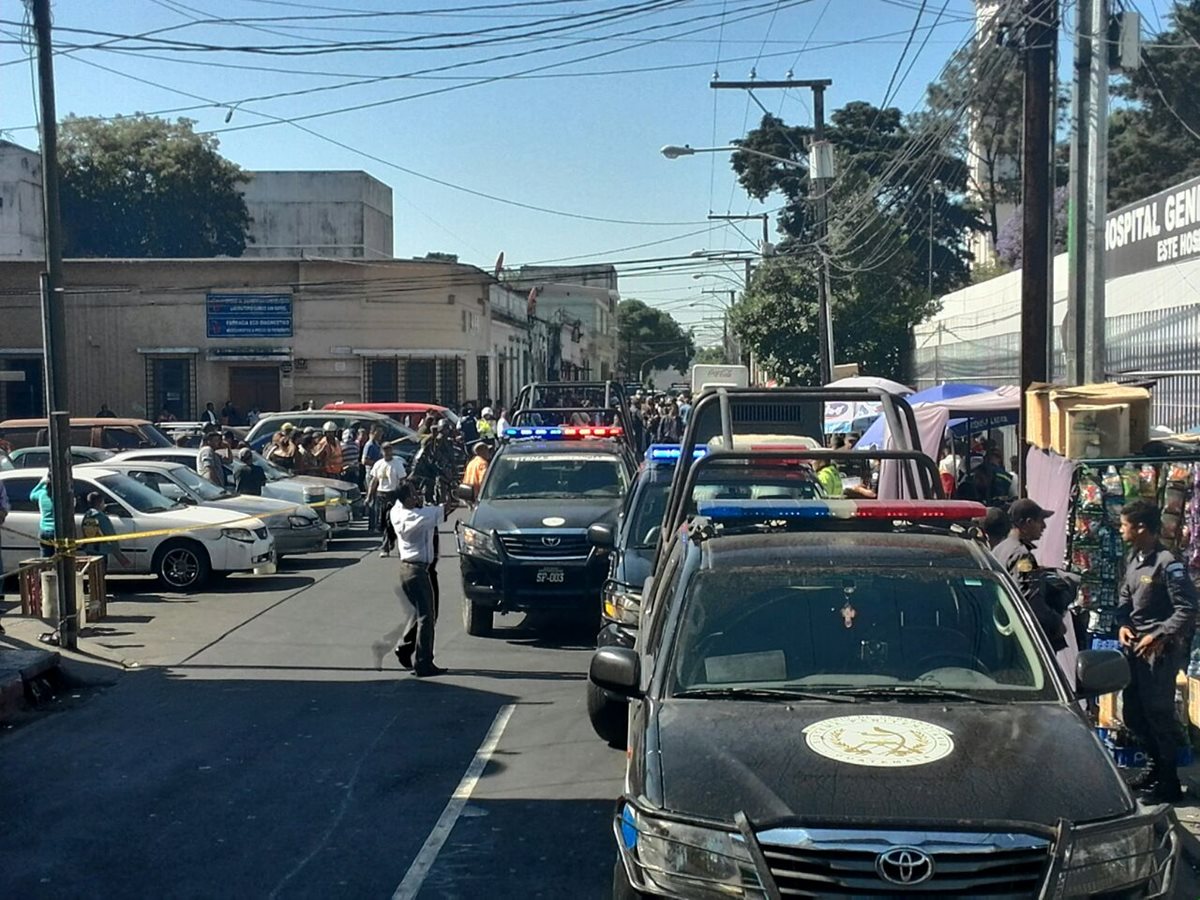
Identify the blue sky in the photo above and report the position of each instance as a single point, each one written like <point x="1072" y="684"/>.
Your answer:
<point x="582" y="143"/>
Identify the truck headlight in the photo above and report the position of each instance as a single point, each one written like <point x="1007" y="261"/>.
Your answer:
<point x="1107" y="861"/>
<point x="241" y="535"/>
<point x="686" y="860"/>
<point x="621" y="604"/>
<point x="479" y="543"/>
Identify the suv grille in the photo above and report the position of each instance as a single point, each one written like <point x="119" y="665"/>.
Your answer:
<point x="974" y="872"/>
<point x="549" y="545"/>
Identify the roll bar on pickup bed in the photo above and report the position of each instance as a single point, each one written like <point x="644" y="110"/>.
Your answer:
<point x="726" y="413"/>
<point x="535" y="393"/>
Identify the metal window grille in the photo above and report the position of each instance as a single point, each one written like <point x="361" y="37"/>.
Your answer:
<point x="171" y="385"/>
<point x="482" y="376"/>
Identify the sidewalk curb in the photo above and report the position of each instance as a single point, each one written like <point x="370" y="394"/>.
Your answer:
<point x="12" y="683"/>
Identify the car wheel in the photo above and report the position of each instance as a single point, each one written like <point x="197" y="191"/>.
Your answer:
<point x="622" y="889"/>
<point x="477" y="620"/>
<point x="182" y="565"/>
<point x="609" y="717"/>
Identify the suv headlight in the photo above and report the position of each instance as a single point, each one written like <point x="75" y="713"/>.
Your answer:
<point x="479" y="543"/>
<point x="301" y="521"/>
<point x="1107" y="860"/>
<point x="622" y="604"/>
<point x="242" y="535"/>
<point x="686" y="860"/>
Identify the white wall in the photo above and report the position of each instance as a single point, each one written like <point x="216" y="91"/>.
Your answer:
<point x="20" y="203"/>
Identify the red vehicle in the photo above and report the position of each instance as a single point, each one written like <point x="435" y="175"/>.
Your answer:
<point x="410" y="414"/>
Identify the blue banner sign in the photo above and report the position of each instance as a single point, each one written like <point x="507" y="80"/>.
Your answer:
<point x="249" y="315"/>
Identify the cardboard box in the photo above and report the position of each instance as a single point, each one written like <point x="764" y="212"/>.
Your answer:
<point x="1063" y="399"/>
<point x="1193" y="708"/>
<point x="1109" y="715"/>
<point x="1037" y="415"/>
<point x="1097" y="431"/>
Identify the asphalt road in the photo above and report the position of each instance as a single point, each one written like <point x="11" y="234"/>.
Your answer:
<point x="277" y="762"/>
<point x="268" y="757"/>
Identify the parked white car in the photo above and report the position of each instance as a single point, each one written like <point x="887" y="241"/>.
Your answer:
<point x="211" y="542"/>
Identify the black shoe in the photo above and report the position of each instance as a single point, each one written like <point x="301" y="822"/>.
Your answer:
<point x="404" y="653"/>
<point x="430" y="671"/>
<point x="1144" y="780"/>
<point x="1163" y="792"/>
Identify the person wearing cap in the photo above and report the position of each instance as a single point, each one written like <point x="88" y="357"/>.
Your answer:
<point x="468" y="425"/>
<point x="487" y="424"/>
<point x="248" y="477"/>
<point x="478" y="465"/>
<point x="1015" y="553"/>
<point x="1155" y="617"/>
<point x="282" y="450"/>
<point x="329" y="451"/>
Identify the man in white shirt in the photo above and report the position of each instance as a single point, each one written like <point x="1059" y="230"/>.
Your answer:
<point x="416" y="527"/>
<point x="208" y="463"/>
<point x="383" y="487"/>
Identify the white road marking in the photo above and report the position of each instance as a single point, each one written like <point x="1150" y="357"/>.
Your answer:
<point x="415" y="877"/>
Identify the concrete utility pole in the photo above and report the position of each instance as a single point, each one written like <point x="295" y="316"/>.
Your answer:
<point x="1089" y="189"/>
<point x="1040" y="20"/>
<point x="821" y="174"/>
<point x="54" y="334"/>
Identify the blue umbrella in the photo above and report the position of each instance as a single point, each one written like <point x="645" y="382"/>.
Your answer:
<point x="873" y="436"/>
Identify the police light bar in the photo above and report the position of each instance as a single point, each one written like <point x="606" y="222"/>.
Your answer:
<point x="671" y="452"/>
<point x="887" y="510"/>
<point x="567" y="432"/>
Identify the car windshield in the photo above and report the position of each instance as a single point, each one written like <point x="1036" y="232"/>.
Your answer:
<point x="522" y="476"/>
<point x="719" y="483"/>
<point x="137" y="495"/>
<point x="201" y="487"/>
<point x="854" y="631"/>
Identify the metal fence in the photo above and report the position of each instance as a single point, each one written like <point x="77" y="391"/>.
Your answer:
<point x="1161" y="345"/>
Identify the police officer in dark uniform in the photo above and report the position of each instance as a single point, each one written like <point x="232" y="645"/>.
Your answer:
<point x="1015" y="553"/>
<point x="1156" y="615"/>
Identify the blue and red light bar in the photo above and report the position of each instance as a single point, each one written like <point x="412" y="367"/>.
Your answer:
<point x="670" y="453"/>
<point x="565" y="432"/>
<point x="879" y="510"/>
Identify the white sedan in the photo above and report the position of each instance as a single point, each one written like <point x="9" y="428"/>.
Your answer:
<point x="206" y="541"/>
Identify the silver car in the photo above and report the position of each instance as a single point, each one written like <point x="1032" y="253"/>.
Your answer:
<point x="331" y="503"/>
<point x="296" y="527"/>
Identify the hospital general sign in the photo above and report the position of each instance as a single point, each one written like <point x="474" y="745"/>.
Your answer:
<point x="249" y="315"/>
<point x="1158" y="231"/>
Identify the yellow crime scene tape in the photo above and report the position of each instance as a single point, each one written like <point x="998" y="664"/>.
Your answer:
<point x="66" y="546"/>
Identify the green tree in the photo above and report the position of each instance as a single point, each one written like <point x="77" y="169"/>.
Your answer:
<point x="140" y="186"/>
<point x="650" y="339"/>
<point x="714" y="356"/>
<point x="1153" y="140"/>
<point x="882" y="215"/>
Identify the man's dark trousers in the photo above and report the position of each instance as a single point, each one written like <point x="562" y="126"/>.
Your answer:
<point x="384" y="501"/>
<point x="414" y="580"/>
<point x="1149" y="711"/>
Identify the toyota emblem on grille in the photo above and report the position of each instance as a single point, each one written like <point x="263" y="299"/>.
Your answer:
<point x="551" y="541"/>
<point x="904" y="865"/>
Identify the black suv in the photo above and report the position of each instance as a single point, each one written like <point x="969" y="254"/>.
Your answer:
<point x="633" y="542"/>
<point x="524" y="546"/>
<point x="851" y="698"/>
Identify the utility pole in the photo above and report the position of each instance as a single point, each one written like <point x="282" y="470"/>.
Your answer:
<point x="1088" y="187"/>
<point x="820" y="171"/>
<point x="1037" y="198"/>
<point x="54" y="333"/>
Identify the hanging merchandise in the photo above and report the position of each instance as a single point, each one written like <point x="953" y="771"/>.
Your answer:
<point x="1094" y="547"/>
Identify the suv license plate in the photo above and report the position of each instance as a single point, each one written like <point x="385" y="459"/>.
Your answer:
<point x="551" y="576"/>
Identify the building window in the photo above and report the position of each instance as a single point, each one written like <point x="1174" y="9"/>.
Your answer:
<point x="381" y="384"/>
<point x="482" y="373"/>
<point x="451" y="378"/>
<point x="22" y="396"/>
<point x="171" y="386"/>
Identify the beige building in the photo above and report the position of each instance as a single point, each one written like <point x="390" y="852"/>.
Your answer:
<point x="153" y="334"/>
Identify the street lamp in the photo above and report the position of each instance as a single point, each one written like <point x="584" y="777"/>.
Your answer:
<point x="674" y="151"/>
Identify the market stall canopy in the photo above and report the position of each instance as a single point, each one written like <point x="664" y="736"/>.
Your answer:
<point x="971" y="412"/>
<point x="948" y="391"/>
<point x="870" y="381"/>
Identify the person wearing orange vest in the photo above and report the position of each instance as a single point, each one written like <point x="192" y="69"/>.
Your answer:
<point x="329" y="451"/>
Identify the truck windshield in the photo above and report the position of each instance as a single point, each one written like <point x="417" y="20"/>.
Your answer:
<point x="852" y="631"/>
<point x="524" y="476"/>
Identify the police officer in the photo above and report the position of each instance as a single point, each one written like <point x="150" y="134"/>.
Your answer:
<point x="1156" y="615"/>
<point x="1015" y="553"/>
